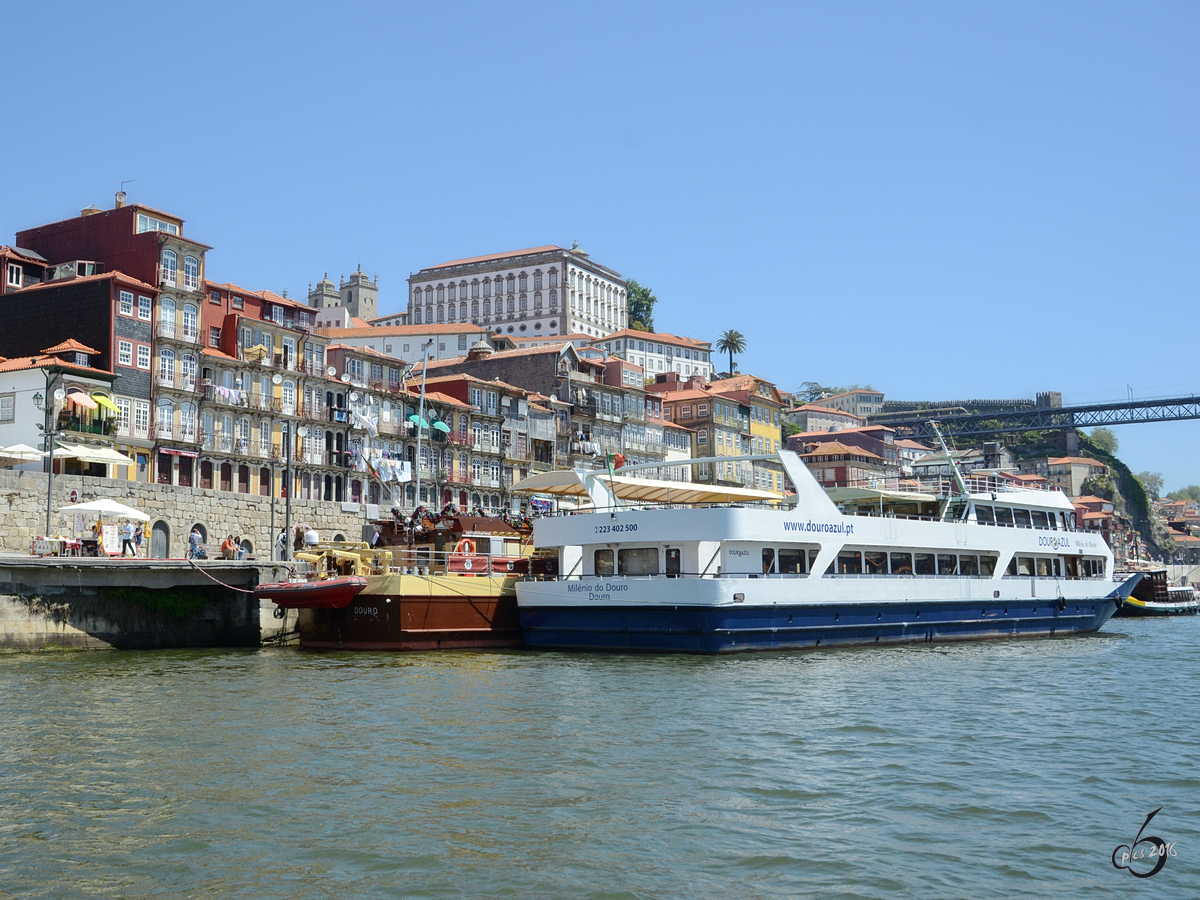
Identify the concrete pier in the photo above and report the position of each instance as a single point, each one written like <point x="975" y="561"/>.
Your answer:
<point x="88" y="604"/>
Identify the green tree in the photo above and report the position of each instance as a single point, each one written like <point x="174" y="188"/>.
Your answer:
<point x="1152" y="482"/>
<point x="1191" y="492"/>
<point x="812" y="390"/>
<point x="731" y="342"/>
<point x="641" y="306"/>
<point x="1104" y="439"/>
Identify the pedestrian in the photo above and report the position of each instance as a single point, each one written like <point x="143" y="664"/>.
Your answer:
<point x="137" y="539"/>
<point x="195" y="542"/>
<point x="281" y="543"/>
<point x="127" y="539"/>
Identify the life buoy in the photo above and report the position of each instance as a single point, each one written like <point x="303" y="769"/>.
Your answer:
<point x="465" y="547"/>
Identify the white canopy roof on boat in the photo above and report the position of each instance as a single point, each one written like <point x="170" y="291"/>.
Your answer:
<point x="641" y="490"/>
<point x="851" y="494"/>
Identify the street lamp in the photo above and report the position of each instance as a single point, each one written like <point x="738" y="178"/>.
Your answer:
<point x="289" y="444"/>
<point x="420" y="423"/>
<point x="50" y="431"/>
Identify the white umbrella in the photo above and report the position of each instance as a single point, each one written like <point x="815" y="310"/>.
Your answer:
<point x="20" y="453"/>
<point x="109" y="508"/>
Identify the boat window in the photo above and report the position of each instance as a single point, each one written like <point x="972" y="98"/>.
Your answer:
<point x="1069" y="519"/>
<point x="987" y="566"/>
<point x="947" y="564"/>
<point x="637" y="561"/>
<point x="673" y="563"/>
<point x="983" y="515"/>
<point x="1039" y="519"/>
<point x="768" y="557"/>
<point x="849" y="562"/>
<point x="812" y="560"/>
<point x="1022" y="517"/>
<point x="1053" y="517"/>
<point x="1072" y="566"/>
<point x="1043" y="567"/>
<point x="877" y="562"/>
<point x="1025" y="565"/>
<point x="1004" y="516"/>
<point x="1057" y="567"/>
<point x="604" y="560"/>
<point x="902" y="564"/>
<point x="923" y="564"/>
<point x="1012" y="567"/>
<point x="968" y="565"/>
<point x="791" y="562"/>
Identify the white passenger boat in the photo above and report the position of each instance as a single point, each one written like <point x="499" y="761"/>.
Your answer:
<point x="676" y="566"/>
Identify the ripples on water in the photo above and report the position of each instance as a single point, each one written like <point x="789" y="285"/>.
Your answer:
<point x="993" y="769"/>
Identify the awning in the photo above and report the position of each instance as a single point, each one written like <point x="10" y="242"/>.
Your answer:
<point x="102" y="455"/>
<point x="643" y="490"/>
<point x="82" y="400"/>
<point x="171" y="450"/>
<point x="105" y="402"/>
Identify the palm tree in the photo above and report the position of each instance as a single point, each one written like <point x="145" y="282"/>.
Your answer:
<point x="731" y="342"/>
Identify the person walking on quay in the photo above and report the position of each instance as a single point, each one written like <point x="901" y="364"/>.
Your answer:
<point x="194" y="544"/>
<point x="281" y="544"/>
<point x="137" y="539"/>
<point x="127" y="539"/>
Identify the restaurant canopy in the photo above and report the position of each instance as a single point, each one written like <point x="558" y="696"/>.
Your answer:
<point x="109" y="509"/>
<point x="642" y="490"/>
<point x="104" y="455"/>
<point x="19" y="453"/>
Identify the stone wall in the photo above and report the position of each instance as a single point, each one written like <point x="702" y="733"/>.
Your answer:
<point x="92" y="604"/>
<point x="23" y="511"/>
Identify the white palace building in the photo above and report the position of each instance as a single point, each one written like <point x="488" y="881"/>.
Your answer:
<point x="526" y="293"/>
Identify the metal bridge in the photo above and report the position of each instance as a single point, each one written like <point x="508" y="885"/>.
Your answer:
<point x="1125" y="412"/>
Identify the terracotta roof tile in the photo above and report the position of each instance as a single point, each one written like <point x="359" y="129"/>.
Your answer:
<point x="474" y="259"/>
<point x="69" y="346"/>
<point x="114" y="275"/>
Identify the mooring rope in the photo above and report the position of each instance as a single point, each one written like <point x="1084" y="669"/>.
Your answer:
<point x="192" y="563"/>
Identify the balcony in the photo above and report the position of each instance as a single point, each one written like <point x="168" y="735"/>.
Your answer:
<point x="165" y="378"/>
<point x="164" y="431"/>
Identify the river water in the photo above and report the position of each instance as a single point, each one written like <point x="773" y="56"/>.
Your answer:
<point x="988" y="769"/>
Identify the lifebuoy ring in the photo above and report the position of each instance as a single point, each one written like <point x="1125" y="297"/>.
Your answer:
<point x="465" y="547"/>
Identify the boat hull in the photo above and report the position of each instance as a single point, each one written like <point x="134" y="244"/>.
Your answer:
<point x="726" y="629"/>
<point x="332" y="593"/>
<point x="1134" y="608"/>
<point x="419" y="612"/>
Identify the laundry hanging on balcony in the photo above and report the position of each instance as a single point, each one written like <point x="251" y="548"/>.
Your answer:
<point x="366" y="423"/>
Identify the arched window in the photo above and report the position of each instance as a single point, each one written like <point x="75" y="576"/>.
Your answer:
<point x="475" y="289"/>
<point x="441" y="293"/>
<point x="166" y="317"/>
<point x="187" y="421"/>
<point x="416" y="295"/>
<point x="187" y="372"/>
<point x="487" y="287"/>
<point x="524" y="282"/>
<point x="243" y="436"/>
<point x="462" y="312"/>
<point x="537" y="281"/>
<point x="450" y="292"/>
<point x="164" y="419"/>
<point x="441" y="314"/>
<point x="166" y="366"/>
<point x="511" y="303"/>
<point x="476" y="470"/>
<point x="474" y="309"/>
<point x="524" y="303"/>
<point x="424" y="459"/>
<point x="191" y="273"/>
<point x="428" y="296"/>
<point x="487" y="307"/>
<point x="537" y="300"/>
<point x="169" y="270"/>
<point x="289" y="398"/>
<point x="462" y="290"/>
<point x="511" y="283"/>
<point x="191" y="321"/>
<point x="554" y="298"/>
<point x="451" y="317"/>
<point x="554" y="278"/>
<point x="417" y="315"/>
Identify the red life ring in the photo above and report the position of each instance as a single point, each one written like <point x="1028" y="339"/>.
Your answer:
<point x="465" y="547"/>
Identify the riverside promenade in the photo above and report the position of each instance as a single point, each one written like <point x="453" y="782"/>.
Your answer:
<point x="73" y="603"/>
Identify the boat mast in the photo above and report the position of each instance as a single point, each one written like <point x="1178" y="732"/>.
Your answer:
<point x="421" y="417"/>
<point x="954" y="470"/>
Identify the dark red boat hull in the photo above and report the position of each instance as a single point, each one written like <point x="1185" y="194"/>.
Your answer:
<point x="333" y="593"/>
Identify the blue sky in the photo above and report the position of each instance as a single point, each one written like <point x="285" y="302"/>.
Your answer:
<point x="942" y="200"/>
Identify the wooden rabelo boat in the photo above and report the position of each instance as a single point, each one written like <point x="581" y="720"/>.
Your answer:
<point x="1155" y="596"/>
<point x="433" y="582"/>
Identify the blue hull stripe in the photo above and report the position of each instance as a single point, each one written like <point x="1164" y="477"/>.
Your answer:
<point x="705" y="629"/>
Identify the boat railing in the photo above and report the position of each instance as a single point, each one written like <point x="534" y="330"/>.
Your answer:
<point x="775" y="576"/>
<point x="419" y="561"/>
